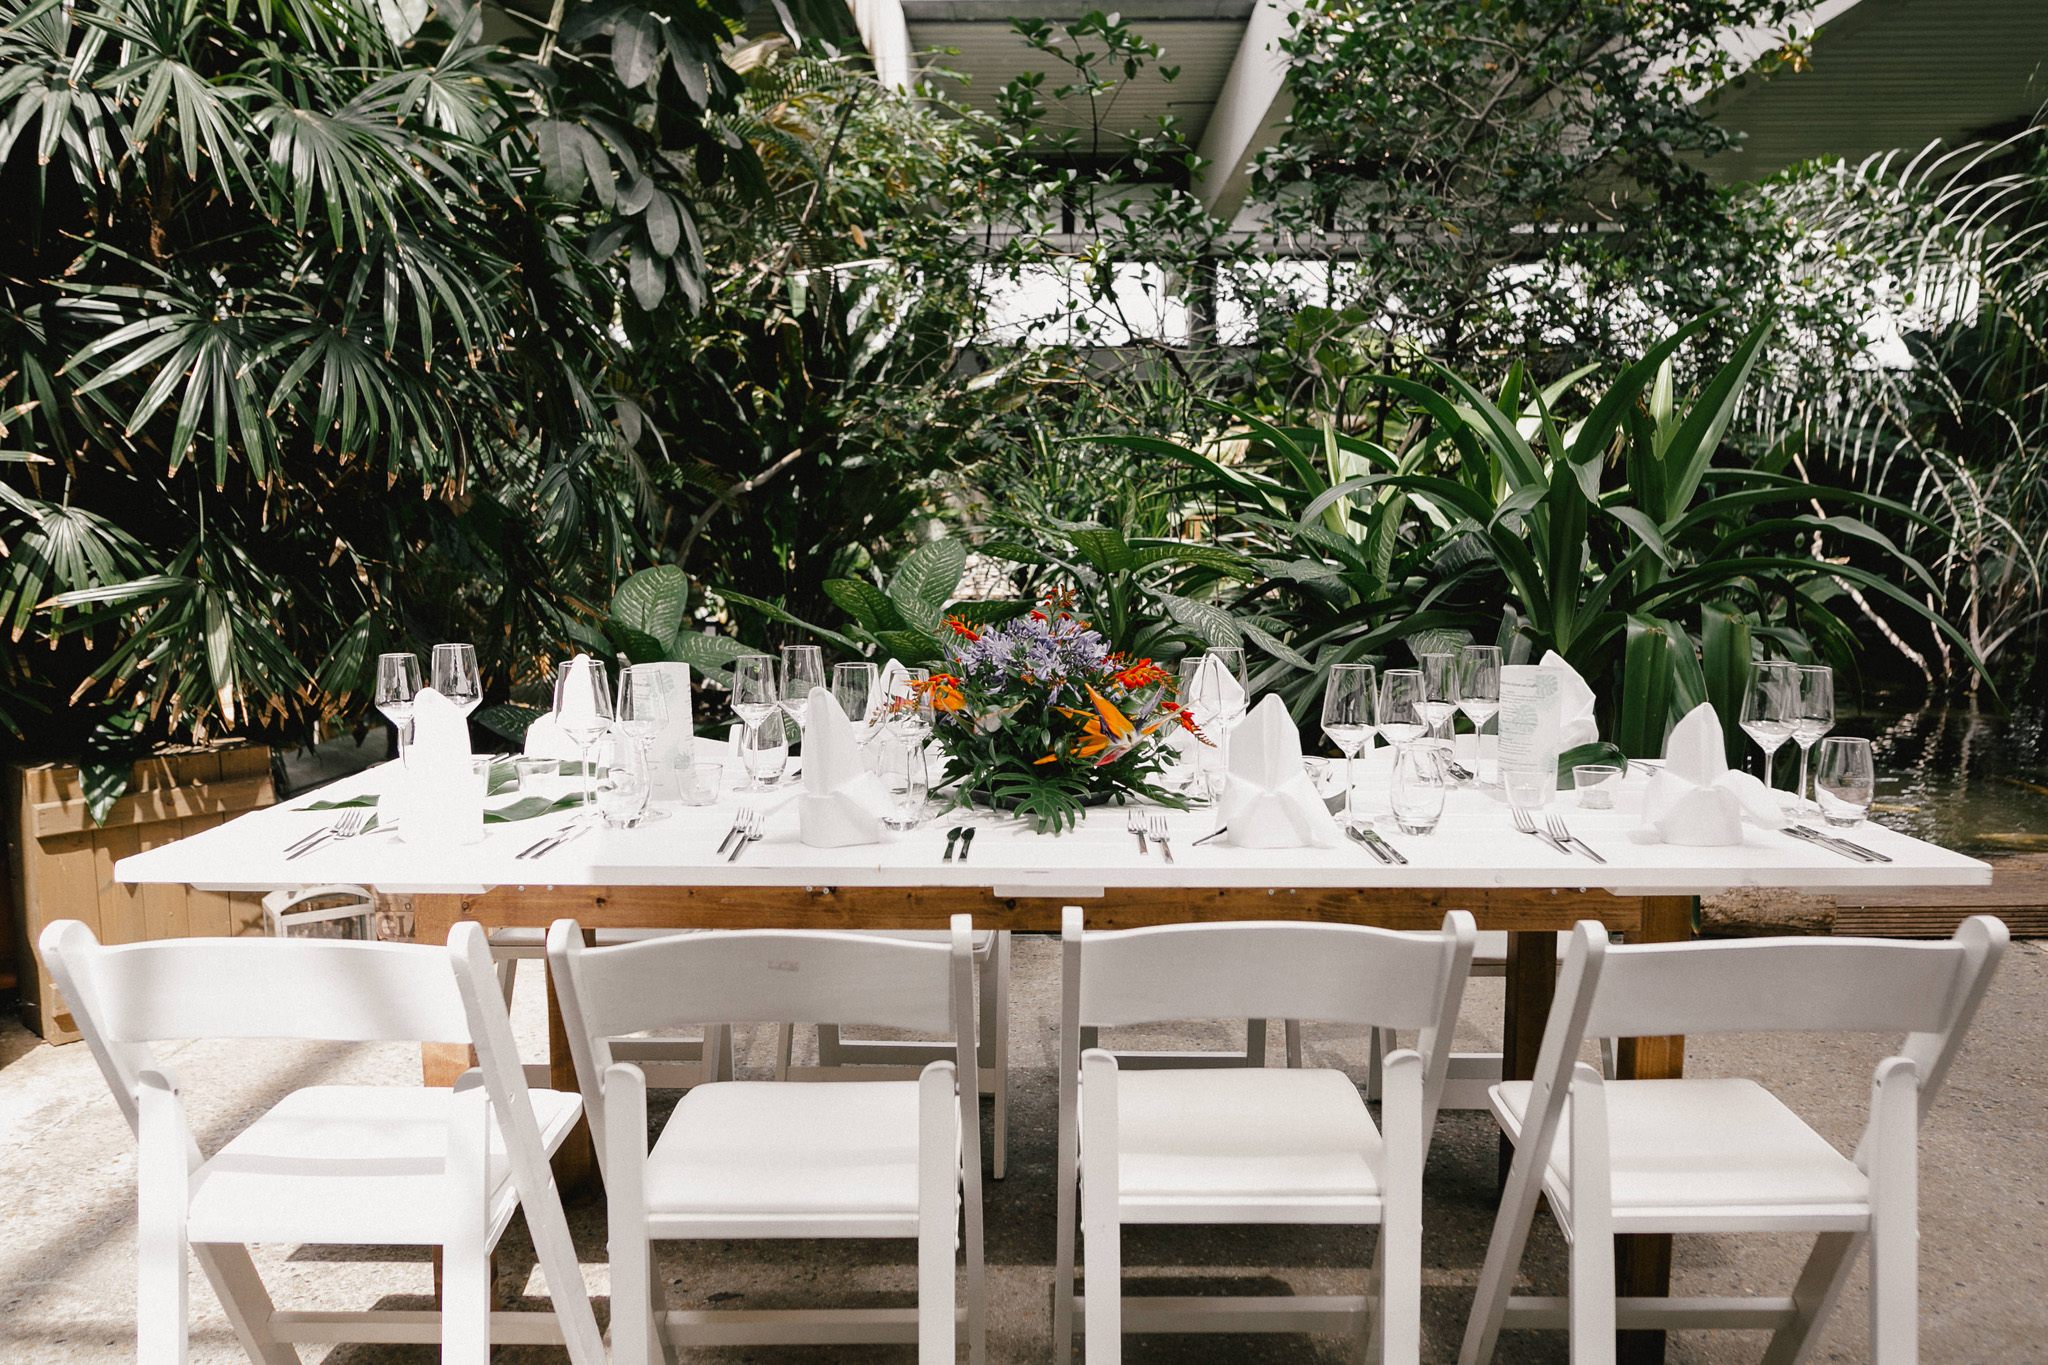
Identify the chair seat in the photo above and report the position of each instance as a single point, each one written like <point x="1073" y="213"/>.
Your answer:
<point x="1243" y="1134"/>
<point x="762" y="1149"/>
<point x="1705" y="1144"/>
<point x="350" y="1165"/>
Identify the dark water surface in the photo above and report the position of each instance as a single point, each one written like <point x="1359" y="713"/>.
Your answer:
<point x="1953" y="771"/>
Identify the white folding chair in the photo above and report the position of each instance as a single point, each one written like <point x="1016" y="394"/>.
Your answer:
<point x="1246" y="1144"/>
<point x="894" y="1059"/>
<point x="669" y="1063"/>
<point x="769" y="1159"/>
<point x="295" y="907"/>
<point x="1693" y="1156"/>
<point x="339" y="1165"/>
<point x="1471" y="1076"/>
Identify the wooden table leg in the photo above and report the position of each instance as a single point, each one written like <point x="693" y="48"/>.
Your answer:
<point x="1531" y="982"/>
<point x="1642" y="1262"/>
<point x="441" y="1064"/>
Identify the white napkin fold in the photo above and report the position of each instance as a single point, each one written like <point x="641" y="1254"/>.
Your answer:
<point x="1695" y="799"/>
<point x="1575" y="723"/>
<point x="842" y="803"/>
<point x="1269" y="801"/>
<point x="441" y="800"/>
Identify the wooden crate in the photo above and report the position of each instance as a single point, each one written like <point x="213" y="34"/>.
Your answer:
<point x="61" y="866"/>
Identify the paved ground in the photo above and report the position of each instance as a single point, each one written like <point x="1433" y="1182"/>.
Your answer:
<point x="67" y="1245"/>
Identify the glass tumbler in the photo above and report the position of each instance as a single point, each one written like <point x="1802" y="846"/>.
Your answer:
<point x="1596" y="783"/>
<point x="1417" y="790"/>
<point x="1847" y="782"/>
<point x="622" y="780"/>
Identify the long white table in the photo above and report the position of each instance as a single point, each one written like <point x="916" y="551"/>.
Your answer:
<point x="667" y="874"/>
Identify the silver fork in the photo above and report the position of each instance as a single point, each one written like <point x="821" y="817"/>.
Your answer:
<point x="347" y="827"/>
<point x="750" y="835"/>
<point x="1134" y="823"/>
<point x="1555" y="824"/>
<point x="1528" y="826"/>
<point x="1156" y="827"/>
<point x="739" y="825"/>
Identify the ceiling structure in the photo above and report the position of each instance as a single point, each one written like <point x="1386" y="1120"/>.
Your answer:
<point x="1882" y="74"/>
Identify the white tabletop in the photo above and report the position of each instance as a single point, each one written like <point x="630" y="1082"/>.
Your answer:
<point x="1475" y="846"/>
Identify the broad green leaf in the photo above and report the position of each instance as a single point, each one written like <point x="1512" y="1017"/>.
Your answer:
<point x="1620" y="398"/>
<point x="911" y="646"/>
<point x="928" y="577"/>
<point x="988" y="613"/>
<point x="652" y="602"/>
<point x="508" y="720"/>
<point x="1012" y="552"/>
<point x="1201" y="556"/>
<point x="1693" y="445"/>
<point x="637" y="645"/>
<point x="1207" y="620"/>
<point x="1104" y="548"/>
<point x="865" y="603"/>
<point x="1279" y="650"/>
<point x="1725" y="653"/>
<point x="775" y="613"/>
<point x="636" y="47"/>
<point x="1644" y="707"/>
<point x="710" y="655"/>
<point x="1599" y="752"/>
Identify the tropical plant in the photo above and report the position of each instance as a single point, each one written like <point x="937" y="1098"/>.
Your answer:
<point x="1491" y="511"/>
<point x="306" y="333"/>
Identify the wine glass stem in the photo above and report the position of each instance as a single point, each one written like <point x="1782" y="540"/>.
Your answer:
<point x="1799" y="797"/>
<point x="1769" y="754"/>
<point x="589" y="752"/>
<point x="1349" y="758"/>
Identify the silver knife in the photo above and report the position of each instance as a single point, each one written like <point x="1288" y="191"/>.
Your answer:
<point x="1829" y="842"/>
<point x="573" y="832"/>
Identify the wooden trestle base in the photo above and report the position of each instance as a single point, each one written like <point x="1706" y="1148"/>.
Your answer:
<point x="1529" y="915"/>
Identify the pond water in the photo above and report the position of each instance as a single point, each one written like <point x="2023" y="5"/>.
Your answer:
<point x="1953" y="771"/>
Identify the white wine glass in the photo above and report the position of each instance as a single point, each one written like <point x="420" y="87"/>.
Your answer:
<point x="456" y="676"/>
<point x="1815" y="717"/>
<point x="803" y="668"/>
<point x="754" y="700"/>
<point x="398" y="682"/>
<point x="1770" y="706"/>
<point x="583" y="710"/>
<point x="1439" y="692"/>
<point x="1479" y="692"/>
<point x="853" y="687"/>
<point x="1402" y="695"/>
<point x="642" y="709"/>
<point x="1349" y="697"/>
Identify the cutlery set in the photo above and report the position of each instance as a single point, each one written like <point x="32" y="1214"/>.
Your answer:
<point x="963" y="835"/>
<point x="1376" y="845"/>
<point x="746" y="829"/>
<point x="347" y="827"/>
<point x="1834" y="845"/>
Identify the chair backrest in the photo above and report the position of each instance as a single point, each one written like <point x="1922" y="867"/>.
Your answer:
<point x="1929" y="992"/>
<point x="129" y="995"/>
<point x="1270" y="969"/>
<point x="755" y="976"/>
<point x="762" y="976"/>
<point x="1335" y="973"/>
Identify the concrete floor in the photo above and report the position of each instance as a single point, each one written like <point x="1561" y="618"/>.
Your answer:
<point x="68" y="1245"/>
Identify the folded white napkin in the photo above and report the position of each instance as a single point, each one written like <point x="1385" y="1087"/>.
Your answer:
<point x="673" y="747"/>
<point x="1213" y="694"/>
<point x="1575" y="723"/>
<point x="1268" y="800"/>
<point x="440" y="799"/>
<point x="1696" y="800"/>
<point x="842" y="803"/>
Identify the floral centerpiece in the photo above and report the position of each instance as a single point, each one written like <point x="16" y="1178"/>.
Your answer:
<point x="1038" y="716"/>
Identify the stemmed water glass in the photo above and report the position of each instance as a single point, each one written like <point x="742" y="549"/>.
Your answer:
<point x="583" y="710"/>
<point x="1402" y="696"/>
<point x="1231" y="659"/>
<point x="398" y="682"/>
<point x="853" y="687"/>
<point x="1479" y="688"/>
<point x="754" y="700"/>
<point x="1439" y="692"/>
<point x="456" y="676"/>
<point x="1348" y="699"/>
<point x="910" y="705"/>
<point x="1815" y="717"/>
<point x="1770" y="708"/>
<point x="803" y="668"/>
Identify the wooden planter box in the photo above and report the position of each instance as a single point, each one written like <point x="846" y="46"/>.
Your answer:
<point x="61" y="866"/>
